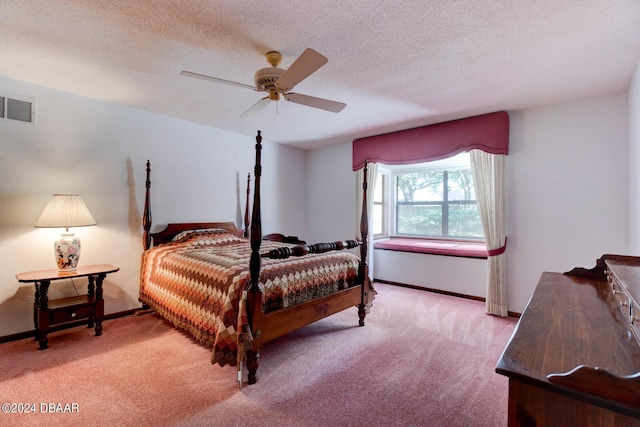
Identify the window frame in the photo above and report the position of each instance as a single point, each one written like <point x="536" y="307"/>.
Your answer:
<point x="385" y="174"/>
<point x="448" y="164"/>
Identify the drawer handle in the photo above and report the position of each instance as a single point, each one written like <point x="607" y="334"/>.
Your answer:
<point x="624" y="304"/>
<point x="73" y="314"/>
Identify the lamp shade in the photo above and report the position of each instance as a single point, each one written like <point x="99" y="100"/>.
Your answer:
<point x="65" y="210"/>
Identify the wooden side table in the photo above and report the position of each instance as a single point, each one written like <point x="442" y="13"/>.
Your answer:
<point x="48" y="313"/>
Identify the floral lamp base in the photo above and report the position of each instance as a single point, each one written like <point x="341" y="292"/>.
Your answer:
<point x="67" y="252"/>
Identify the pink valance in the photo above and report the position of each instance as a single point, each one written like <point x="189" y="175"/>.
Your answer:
<point x="489" y="133"/>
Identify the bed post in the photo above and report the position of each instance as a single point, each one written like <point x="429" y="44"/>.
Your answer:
<point x="146" y="217"/>
<point x="363" y="268"/>
<point x="246" y="208"/>
<point x="254" y="294"/>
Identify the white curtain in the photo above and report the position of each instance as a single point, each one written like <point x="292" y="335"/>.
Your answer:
<point x="489" y="172"/>
<point x="372" y="170"/>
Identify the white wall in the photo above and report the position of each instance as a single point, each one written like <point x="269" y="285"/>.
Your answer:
<point x="99" y="150"/>
<point x="466" y="276"/>
<point x="567" y="195"/>
<point x="331" y="205"/>
<point x="634" y="164"/>
<point x="568" y="187"/>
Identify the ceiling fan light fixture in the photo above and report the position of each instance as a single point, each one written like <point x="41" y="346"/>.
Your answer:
<point x="274" y="94"/>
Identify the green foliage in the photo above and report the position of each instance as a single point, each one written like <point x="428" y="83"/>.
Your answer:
<point x="426" y="219"/>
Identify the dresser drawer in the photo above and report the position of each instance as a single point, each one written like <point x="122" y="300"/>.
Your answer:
<point x="624" y="302"/>
<point x="623" y="279"/>
<point x="634" y="320"/>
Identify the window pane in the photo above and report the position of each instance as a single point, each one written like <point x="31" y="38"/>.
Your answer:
<point x="378" y="195"/>
<point x="463" y="216"/>
<point x="380" y="206"/>
<point x="464" y="221"/>
<point x="461" y="185"/>
<point x="423" y="220"/>
<point x="377" y="219"/>
<point x="420" y="187"/>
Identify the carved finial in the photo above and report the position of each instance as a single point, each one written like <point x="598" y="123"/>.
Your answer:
<point x="146" y="216"/>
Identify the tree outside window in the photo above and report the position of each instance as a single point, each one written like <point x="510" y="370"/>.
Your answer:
<point x="437" y="203"/>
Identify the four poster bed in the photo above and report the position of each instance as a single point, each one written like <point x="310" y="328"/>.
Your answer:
<point x="235" y="293"/>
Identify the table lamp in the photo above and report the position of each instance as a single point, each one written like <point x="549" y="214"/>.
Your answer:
<point x="64" y="211"/>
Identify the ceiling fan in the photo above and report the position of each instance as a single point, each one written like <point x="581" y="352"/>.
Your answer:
<point x="278" y="82"/>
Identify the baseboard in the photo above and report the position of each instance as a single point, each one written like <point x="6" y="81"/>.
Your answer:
<point x="440" y="291"/>
<point x="32" y="333"/>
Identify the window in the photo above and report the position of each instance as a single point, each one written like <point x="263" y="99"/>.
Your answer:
<point x="435" y="200"/>
<point x="381" y="206"/>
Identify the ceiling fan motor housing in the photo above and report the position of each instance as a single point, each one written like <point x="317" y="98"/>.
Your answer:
<point x="266" y="78"/>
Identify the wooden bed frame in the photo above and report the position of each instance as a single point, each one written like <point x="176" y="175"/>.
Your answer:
<point x="271" y="325"/>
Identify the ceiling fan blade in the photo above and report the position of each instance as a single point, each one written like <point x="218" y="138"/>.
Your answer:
<point x="312" y="101"/>
<point x="216" y="80"/>
<point x="306" y="64"/>
<point x="257" y="107"/>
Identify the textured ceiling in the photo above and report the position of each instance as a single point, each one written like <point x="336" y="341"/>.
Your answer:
<point x="395" y="64"/>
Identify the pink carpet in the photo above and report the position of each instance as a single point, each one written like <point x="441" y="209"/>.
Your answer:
<point x="422" y="359"/>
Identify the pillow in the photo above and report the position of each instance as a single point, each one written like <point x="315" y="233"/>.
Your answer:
<point x="206" y="236"/>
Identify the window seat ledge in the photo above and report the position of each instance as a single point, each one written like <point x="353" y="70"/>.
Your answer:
<point x="435" y="247"/>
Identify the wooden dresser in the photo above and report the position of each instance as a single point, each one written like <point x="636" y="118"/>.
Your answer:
<point x="574" y="358"/>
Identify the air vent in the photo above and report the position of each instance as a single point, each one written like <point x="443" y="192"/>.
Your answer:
<point x="17" y="108"/>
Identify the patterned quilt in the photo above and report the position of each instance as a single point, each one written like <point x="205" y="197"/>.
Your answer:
<point x="197" y="283"/>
